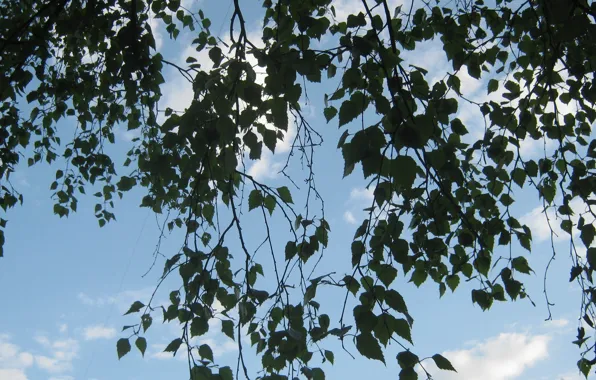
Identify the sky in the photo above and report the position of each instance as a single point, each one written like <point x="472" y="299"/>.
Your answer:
<point x="65" y="283"/>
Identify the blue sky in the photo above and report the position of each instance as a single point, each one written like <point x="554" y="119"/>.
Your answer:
<point x="65" y="283"/>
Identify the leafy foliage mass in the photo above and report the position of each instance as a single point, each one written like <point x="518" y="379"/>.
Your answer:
<point x="443" y="198"/>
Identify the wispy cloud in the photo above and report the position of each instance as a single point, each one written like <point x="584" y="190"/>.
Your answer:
<point x="122" y="300"/>
<point x="219" y="345"/>
<point x="556" y="323"/>
<point x="359" y="199"/>
<point x="98" y="332"/>
<point x="349" y="217"/>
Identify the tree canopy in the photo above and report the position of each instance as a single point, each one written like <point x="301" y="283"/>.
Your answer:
<point x="444" y="186"/>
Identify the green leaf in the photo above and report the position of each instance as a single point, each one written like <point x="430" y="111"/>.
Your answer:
<point x="369" y="347"/>
<point x="493" y="85"/>
<point x="591" y="256"/>
<point x="347" y="113"/>
<point x="482" y="298"/>
<point x="342" y="139"/>
<point x="284" y="194"/>
<point x="402" y="328"/>
<point x="173" y="5"/>
<point x="199" y="326"/>
<point x="279" y="112"/>
<point x="418" y="277"/>
<point x="443" y="363"/>
<point x="587" y="234"/>
<point x="329" y="113"/>
<point x="270" y="203"/>
<point x="577" y="270"/>
<point x="520" y="264"/>
<point x="318" y="374"/>
<point x="519" y="176"/>
<point x="205" y="352"/>
<point x="408" y="374"/>
<point x="126" y="183"/>
<point x="452" y="281"/>
<point x="141" y="344"/>
<point x="255" y="199"/>
<point x="173" y="346"/>
<point x="226" y="373"/>
<point x="387" y="274"/>
<point x="407" y="359"/>
<point x="135" y="307"/>
<point x="352" y="284"/>
<point x="123" y="347"/>
<point x="531" y="168"/>
<point x="290" y="250"/>
<point x="227" y="327"/>
<point x="584" y="366"/>
<point x="482" y="264"/>
<point x="395" y="301"/>
<point x="146" y="321"/>
<point x="329" y="356"/>
<point x="357" y="252"/>
<point x="270" y="139"/>
<point x="215" y="54"/>
<point x="403" y="170"/>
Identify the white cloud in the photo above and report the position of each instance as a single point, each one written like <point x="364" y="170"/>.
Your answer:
<point x="177" y="94"/>
<point x="12" y="374"/>
<point x="541" y="222"/>
<point x="11" y="356"/>
<point x="13" y="361"/>
<point x="85" y="299"/>
<point x="125" y="134"/>
<point x="571" y="375"/>
<point x="265" y="167"/>
<point x="359" y="199"/>
<point x="469" y="85"/>
<point x="177" y="91"/>
<point x="98" y="332"/>
<point x="220" y="346"/>
<point x="538" y="221"/>
<point x="285" y="145"/>
<point x="504" y="357"/>
<point x="63" y="327"/>
<point x="157" y="30"/>
<point x="51" y="364"/>
<point x="557" y="323"/>
<point x="122" y="300"/>
<point x="219" y="343"/>
<point x="349" y="217"/>
<point x="62" y="353"/>
<point x="344" y="8"/>
<point x="362" y="195"/>
<point x="189" y="4"/>
<point x="158" y="352"/>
